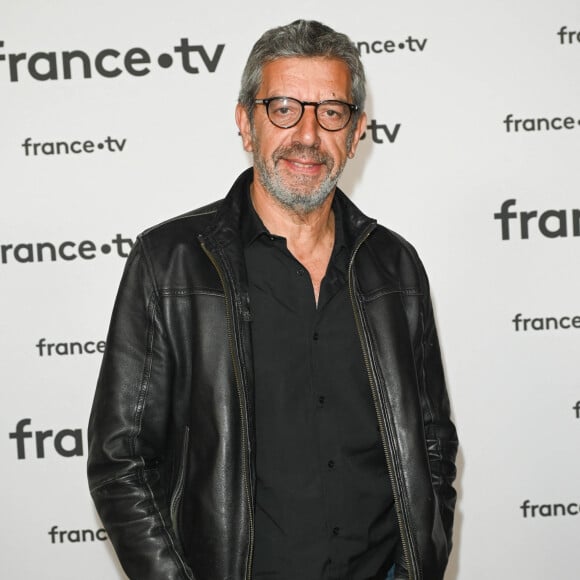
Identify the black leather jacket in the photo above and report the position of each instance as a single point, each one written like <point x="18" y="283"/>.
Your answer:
<point x="171" y="462"/>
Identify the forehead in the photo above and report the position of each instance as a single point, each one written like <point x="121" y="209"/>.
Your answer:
<point x="306" y="78"/>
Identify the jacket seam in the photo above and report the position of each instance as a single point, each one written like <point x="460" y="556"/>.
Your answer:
<point x="169" y="292"/>
<point x="388" y="291"/>
<point x="122" y="479"/>
<point x="148" y="363"/>
<point x="423" y="373"/>
<point x="189" y="215"/>
<point x="145" y="377"/>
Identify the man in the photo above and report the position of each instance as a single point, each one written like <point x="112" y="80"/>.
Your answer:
<point x="271" y="404"/>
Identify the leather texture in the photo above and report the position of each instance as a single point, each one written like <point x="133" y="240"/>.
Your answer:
<point x="171" y="433"/>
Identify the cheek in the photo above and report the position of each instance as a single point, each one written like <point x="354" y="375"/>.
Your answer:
<point x="264" y="142"/>
<point x="338" y="151"/>
<point x="272" y="148"/>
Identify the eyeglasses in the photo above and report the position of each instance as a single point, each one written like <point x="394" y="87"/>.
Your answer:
<point x="286" y="112"/>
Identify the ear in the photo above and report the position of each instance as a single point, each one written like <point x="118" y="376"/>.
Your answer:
<point x="358" y="132"/>
<point x="243" y="123"/>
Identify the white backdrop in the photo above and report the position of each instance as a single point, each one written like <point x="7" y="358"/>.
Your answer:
<point x="441" y="156"/>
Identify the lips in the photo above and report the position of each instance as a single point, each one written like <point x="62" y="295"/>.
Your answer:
<point x="301" y="156"/>
<point x="303" y="163"/>
<point x="303" y="166"/>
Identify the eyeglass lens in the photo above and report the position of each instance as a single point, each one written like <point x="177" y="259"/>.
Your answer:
<point x="285" y="112"/>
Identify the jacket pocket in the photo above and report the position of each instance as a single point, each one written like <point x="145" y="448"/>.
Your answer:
<point x="177" y="495"/>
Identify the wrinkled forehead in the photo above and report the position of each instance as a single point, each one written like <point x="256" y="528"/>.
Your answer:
<point x="307" y="78"/>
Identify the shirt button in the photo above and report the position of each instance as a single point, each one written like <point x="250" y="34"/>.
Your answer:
<point x="315" y="336"/>
<point x="322" y="399"/>
<point x="300" y="272"/>
<point x="335" y="531"/>
<point x="331" y="464"/>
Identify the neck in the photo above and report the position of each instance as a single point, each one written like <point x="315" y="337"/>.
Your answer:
<point x="304" y="231"/>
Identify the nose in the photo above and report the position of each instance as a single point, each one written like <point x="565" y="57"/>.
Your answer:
<point x="307" y="131"/>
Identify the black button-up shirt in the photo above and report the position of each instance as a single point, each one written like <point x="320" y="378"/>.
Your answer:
<point x="324" y="503"/>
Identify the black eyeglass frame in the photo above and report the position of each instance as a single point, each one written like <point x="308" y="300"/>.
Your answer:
<point x="266" y="102"/>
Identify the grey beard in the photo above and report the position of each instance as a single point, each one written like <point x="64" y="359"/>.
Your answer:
<point x="292" y="198"/>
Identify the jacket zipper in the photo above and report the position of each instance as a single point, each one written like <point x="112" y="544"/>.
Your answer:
<point x="243" y="406"/>
<point x="373" y="385"/>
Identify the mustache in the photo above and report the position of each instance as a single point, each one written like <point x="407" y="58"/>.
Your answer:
<point x="301" y="151"/>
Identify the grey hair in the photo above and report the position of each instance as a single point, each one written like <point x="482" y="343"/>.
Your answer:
<point x="301" y="38"/>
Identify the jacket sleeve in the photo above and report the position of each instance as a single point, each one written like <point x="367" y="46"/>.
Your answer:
<point x="127" y="432"/>
<point x="440" y="433"/>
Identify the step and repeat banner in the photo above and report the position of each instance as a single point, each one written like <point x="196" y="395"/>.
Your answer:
<point x="115" y="116"/>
